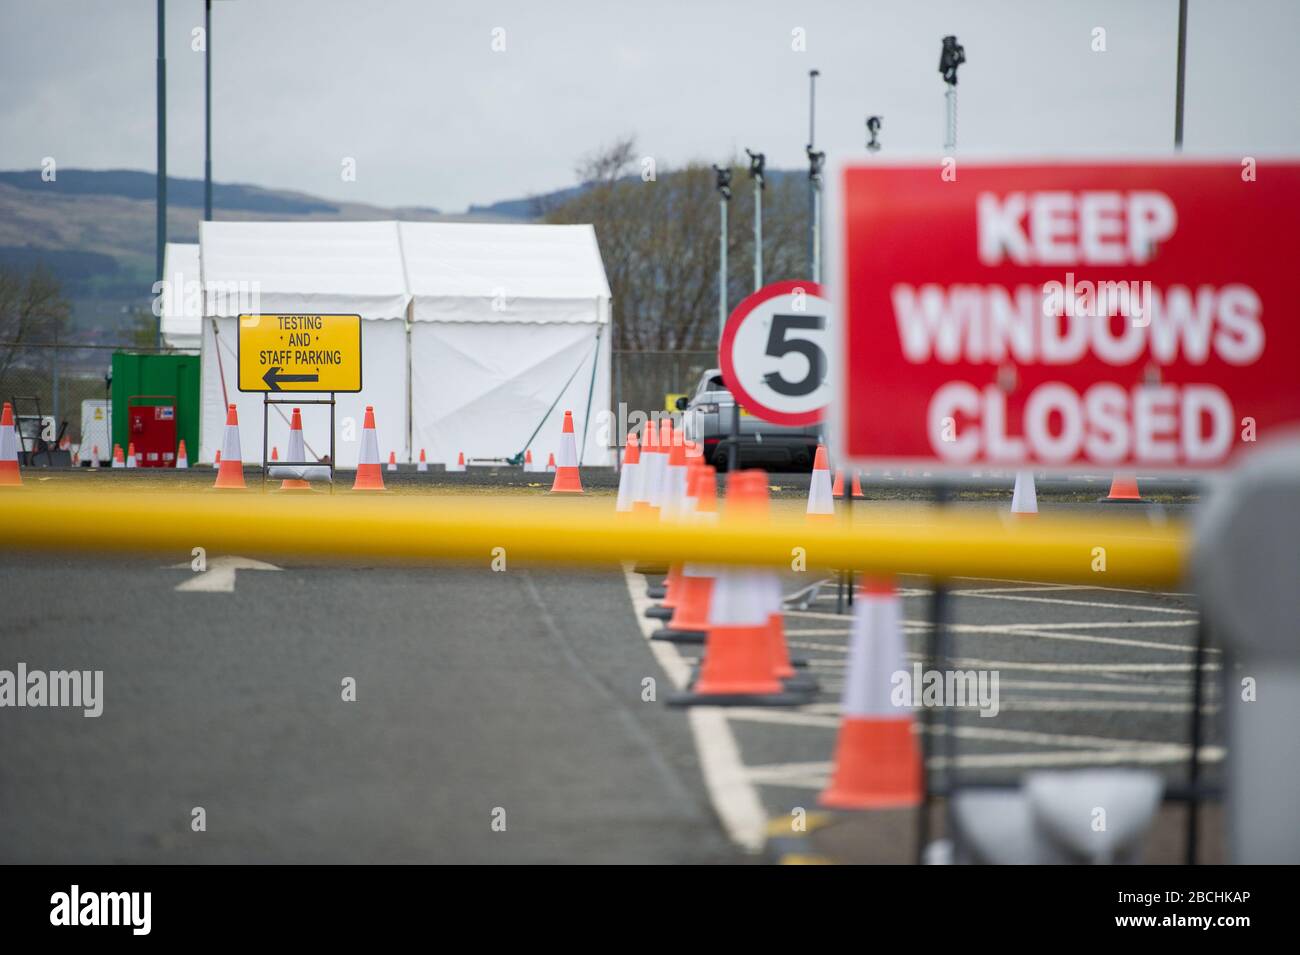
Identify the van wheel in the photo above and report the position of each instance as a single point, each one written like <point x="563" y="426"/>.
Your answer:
<point x="721" y="460"/>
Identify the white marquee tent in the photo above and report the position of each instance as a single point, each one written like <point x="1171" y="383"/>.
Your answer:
<point x="509" y="328"/>
<point x="182" y="305"/>
<point x="314" y="267"/>
<point x="470" y="333"/>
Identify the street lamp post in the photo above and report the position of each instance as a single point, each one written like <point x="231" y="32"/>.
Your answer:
<point x="813" y="212"/>
<point x="160" y="220"/>
<point x="207" y="110"/>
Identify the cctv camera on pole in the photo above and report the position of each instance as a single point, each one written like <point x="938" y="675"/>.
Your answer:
<point x="757" y="163"/>
<point x="723" y="184"/>
<point x="815" y="162"/>
<point x="873" y="134"/>
<point x="952" y="56"/>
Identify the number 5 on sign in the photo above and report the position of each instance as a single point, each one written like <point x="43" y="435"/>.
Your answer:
<point x="773" y="353"/>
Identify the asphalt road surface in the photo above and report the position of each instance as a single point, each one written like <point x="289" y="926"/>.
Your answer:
<point x="514" y="715"/>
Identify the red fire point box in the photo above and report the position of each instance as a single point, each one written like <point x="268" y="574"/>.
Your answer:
<point x="152" y="429"/>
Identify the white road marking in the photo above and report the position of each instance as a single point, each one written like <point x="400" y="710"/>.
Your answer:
<point x="1071" y="603"/>
<point x="219" y="578"/>
<point x="730" y="790"/>
<point x="1119" y="590"/>
<point x="815" y="775"/>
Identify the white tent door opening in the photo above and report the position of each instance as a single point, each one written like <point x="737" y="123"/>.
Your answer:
<point x="484" y="388"/>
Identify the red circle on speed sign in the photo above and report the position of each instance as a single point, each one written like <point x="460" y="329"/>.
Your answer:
<point x="773" y="353"/>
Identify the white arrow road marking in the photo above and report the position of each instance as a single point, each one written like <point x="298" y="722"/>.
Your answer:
<point x="219" y="578"/>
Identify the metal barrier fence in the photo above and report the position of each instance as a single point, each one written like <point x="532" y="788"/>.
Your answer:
<point x="643" y="378"/>
<point x="60" y="376"/>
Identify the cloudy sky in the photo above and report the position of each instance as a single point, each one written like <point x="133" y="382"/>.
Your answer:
<point x="415" y="93"/>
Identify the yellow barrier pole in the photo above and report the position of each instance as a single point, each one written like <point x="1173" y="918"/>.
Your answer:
<point x="1099" y="550"/>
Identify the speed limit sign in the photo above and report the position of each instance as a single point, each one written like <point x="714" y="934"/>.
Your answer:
<point x="773" y="353"/>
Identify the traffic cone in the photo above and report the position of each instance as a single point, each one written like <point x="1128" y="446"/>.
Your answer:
<point x="567" y="479"/>
<point x="1024" y="500"/>
<point x="369" y="476"/>
<point x="119" y="461"/>
<point x="130" y="455"/>
<point x="216" y="462"/>
<point x="458" y="464"/>
<point x="392" y="460"/>
<point x="10" y="476"/>
<point x="690" y="620"/>
<point x="550" y="464"/>
<point x="182" y="457"/>
<point x="877" y="760"/>
<point x="674" y="489"/>
<point x="628" y="475"/>
<point x="528" y="461"/>
<point x="737" y="669"/>
<point x="230" y="472"/>
<point x="837" y="489"/>
<point x="857" y="484"/>
<point x="297" y="452"/>
<point x="1123" y="490"/>
<point x="821" y="503"/>
<point x="275" y="453"/>
<point x="423" y="465"/>
<point x="654" y="462"/>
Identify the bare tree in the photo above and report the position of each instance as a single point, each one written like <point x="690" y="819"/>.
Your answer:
<point x="607" y="163"/>
<point x="32" y="310"/>
<point x="659" y="243"/>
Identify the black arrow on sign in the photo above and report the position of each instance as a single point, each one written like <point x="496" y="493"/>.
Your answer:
<point x="273" y="380"/>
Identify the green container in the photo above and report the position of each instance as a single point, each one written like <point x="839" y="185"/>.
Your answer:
<point x="158" y="375"/>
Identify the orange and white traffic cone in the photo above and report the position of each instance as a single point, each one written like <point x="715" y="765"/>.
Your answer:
<point x="627" y="476"/>
<point x="857" y="484"/>
<point x="677" y="506"/>
<point x="119" y="460"/>
<point x="182" y="457"/>
<point x="690" y="620"/>
<point x="529" y="467"/>
<point x="392" y="460"/>
<point x="424" y="464"/>
<point x="10" y="476"/>
<point x="550" y="463"/>
<point x="821" y="503"/>
<point x="1123" y="490"/>
<point x="567" y="479"/>
<point x="230" y="470"/>
<point x="1024" y="499"/>
<point x="877" y="760"/>
<point x="275" y="453"/>
<point x="738" y="668"/>
<point x="297" y="452"/>
<point x="131" y="461"/>
<point x="837" y="489"/>
<point x="458" y="464"/>
<point x="94" y="457"/>
<point x="369" y="476"/>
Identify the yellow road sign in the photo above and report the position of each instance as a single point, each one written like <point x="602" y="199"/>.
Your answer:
<point x="299" y="352"/>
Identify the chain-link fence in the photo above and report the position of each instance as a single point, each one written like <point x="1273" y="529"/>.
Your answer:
<point x="644" y="379"/>
<point x="53" y="379"/>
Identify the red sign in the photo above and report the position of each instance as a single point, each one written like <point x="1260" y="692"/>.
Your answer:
<point x="773" y="353"/>
<point x="1066" y="315"/>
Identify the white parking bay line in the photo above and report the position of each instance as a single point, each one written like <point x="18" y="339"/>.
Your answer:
<point x="1071" y="603"/>
<point x="730" y="789"/>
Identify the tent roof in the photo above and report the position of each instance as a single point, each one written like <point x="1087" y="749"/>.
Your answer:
<point x="180" y="312"/>
<point x="466" y="271"/>
<point x="321" y="267"/>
